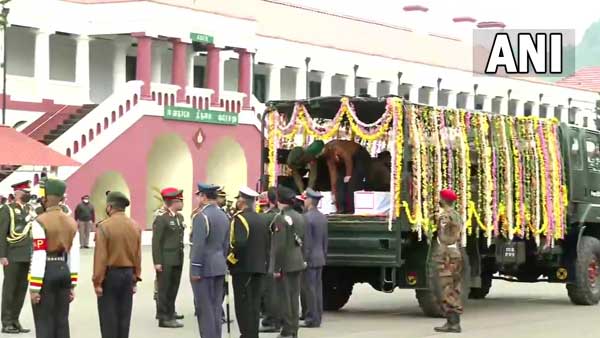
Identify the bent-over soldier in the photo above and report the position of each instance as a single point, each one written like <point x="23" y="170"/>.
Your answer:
<point x="54" y="265"/>
<point x="210" y="244"/>
<point x="289" y="262"/>
<point x="449" y="262"/>
<point x="248" y="261"/>
<point x="117" y="267"/>
<point x="167" y="253"/>
<point x="15" y="256"/>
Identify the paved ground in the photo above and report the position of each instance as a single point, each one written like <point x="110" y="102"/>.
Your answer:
<point x="511" y="311"/>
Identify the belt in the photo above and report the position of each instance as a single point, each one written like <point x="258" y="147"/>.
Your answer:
<point x="55" y="259"/>
<point x="453" y="246"/>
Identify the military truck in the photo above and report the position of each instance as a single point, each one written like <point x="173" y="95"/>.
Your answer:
<point x="366" y="249"/>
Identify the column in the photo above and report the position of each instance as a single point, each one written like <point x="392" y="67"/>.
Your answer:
<point x="300" y="83"/>
<point x="503" y="106"/>
<point x="42" y="61"/>
<point x="143" y="69"/>
<point x="433" y="97"/>
<point x="191" y="62"/>
<point x="274" y="82"/>
<point x="470" y="101"/>
<point x="519" y="108"/>
<point x="245" y="76"/>
<point x="213" y="63"/>
<point x="394" y="87"/>
<point x="82" y="65"/>
<point x="326" y="79"/>
<point x="179" y="69"/>
<point x="372" y="87"/>
<point x="157" y="53"/>
<point x="119" y="62"/>
<point x="535" y="109"/>
<point x="349" y="85"/>
<point x="413" y="95"/>
<point x="451" y="102"/>
<point x="486" y="105"/>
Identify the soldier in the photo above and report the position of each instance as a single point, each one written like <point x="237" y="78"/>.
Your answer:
<point x="448" y="257"/>
<point x="210" y="245"/>
<point x="116" y="271"/>
<point x="289" y="263"/>
<point x="167" y="253"/>
<point x="228" y="210"/>
<point x="15" y="255"/>
<point x="248" y="261"/>
<point x="54" y="265"/>
<point x="315" y="253"/>
<point x="272" y="317"/>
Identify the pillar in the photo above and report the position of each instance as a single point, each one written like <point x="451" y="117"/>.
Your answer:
<point x="394" y="87"/>
<point x="245" y="76"/>
<point x="157" y="54"/>
<point x="213" y="63"/>
<point x="470" y="101"/>
<point x="42" y="61"/>
<point x="143" y="69"/>
<point x="349" y="85"/>
<point x="326" y="79"/>
<point x="503" y="106"/>
<point x="486" y="103"/>
<point x="119" y="62"/>
<point x="535" y="109"/>
<point x="191" y="57"/>
<point x="451" y="102"/>
<point x="413" y="95"/>
<point x="519" y="108"/>
<point x="82" y="65"/>
<point x="274" y="82"/>
<point x="433" y="97"/>
<point x="179" y="71"/>
<point x="372" y="87"/>
<point x="300" y="83"/>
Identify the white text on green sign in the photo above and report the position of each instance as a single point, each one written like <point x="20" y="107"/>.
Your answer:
<point x="202" y="38"/>
<point x="200" y="116"/>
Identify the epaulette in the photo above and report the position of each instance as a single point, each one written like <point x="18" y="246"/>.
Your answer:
<point x="160" y="212"/>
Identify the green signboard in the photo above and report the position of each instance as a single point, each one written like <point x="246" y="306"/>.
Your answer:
<point x="202" y="38"/>
<point x="200" y="116"/>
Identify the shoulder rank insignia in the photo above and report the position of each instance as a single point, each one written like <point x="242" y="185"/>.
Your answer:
<point x="288" y="219"/>
<point x="160" y="212"/>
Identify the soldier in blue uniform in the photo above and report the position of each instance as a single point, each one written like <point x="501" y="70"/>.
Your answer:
<point x="315" y="253"/>
<point x="210" y="245"/>
<point x="248" y="261"/>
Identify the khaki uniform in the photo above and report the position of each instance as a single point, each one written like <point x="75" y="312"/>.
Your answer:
<point x="117" y="268"/>
<point x="448" y="259"/>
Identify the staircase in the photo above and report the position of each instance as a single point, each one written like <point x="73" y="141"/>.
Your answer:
<point x="68" y="123"/>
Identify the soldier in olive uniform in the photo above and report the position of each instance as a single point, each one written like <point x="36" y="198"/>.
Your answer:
<point x="248" y="261"/>
<point x="449" y="261"/>
<point x="54" y="265"/>
<point x="15" y="255"/>
<point x="272" y="317"/>
<point x="289" y="261"/>
<point x="167" y="253"/>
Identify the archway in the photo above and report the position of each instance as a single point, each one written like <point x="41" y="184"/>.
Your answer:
<point x="226" y="166"/>
<point x="169" y="164"/>
<point x="108" y="181"/>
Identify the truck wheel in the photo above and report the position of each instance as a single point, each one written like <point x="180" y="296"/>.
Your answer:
<point x="484" y="290"/>
<point x="336" y="290"/>
<point x="586" y="289"/>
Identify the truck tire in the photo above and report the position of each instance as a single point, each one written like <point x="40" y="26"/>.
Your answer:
<point x="484" y="290"/>
<point x="336" y="290"/>
<point x="586" y="289"/>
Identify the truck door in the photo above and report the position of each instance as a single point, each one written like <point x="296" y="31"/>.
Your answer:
<point x="578" y="176"/>
<point x="592" y="158"/>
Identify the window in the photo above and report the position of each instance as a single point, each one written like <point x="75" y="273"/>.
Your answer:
<point x="199" y="76"/>
<point x="592" y="147"/>
<point x="576" y="161"/>
<point x="130" y="65"/>
<point x="259" y="87"/>
<point x="314" y="89"/>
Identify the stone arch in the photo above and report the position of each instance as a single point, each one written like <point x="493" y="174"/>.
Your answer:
<point x="91" y="135"/>
<point x="107" y="181"/>
<point x="169" y="163"/>
<point x="226" y="165"/>
<point x="98" y="128"/>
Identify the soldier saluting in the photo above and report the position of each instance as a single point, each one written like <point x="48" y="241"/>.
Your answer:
<point x="248" y="261"/>
<point x="117" y="267"/>
<point x="167" y="253"/>
<point x="54" y="265"/>
<point x="449" y="262"/>
<point x="15" y="256"/>
<point x="288" y="234"/>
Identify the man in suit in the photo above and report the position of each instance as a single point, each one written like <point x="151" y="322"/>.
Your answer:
<point x="210" y="245"/>
<point x="85" y="217"/>
<point x="15" y="255"/>
<point x="315" y="253"/>
<point x="117" y="267"/>
<point x="248" y="261"/>
<point x="288" y="237"/>
<point x="167" y="253"/>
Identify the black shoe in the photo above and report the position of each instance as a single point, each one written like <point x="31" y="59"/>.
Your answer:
<point x="170" y="324"/>
<point x="269" y="329"/>
<point x="10" y="329"/>
<point x="309" y="325"/>
<point x="21" y="329"/>
<point x="178" y="316"/>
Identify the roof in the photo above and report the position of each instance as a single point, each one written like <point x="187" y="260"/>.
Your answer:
<point x="587" y="78"/>
<point x="24" y="150"/>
